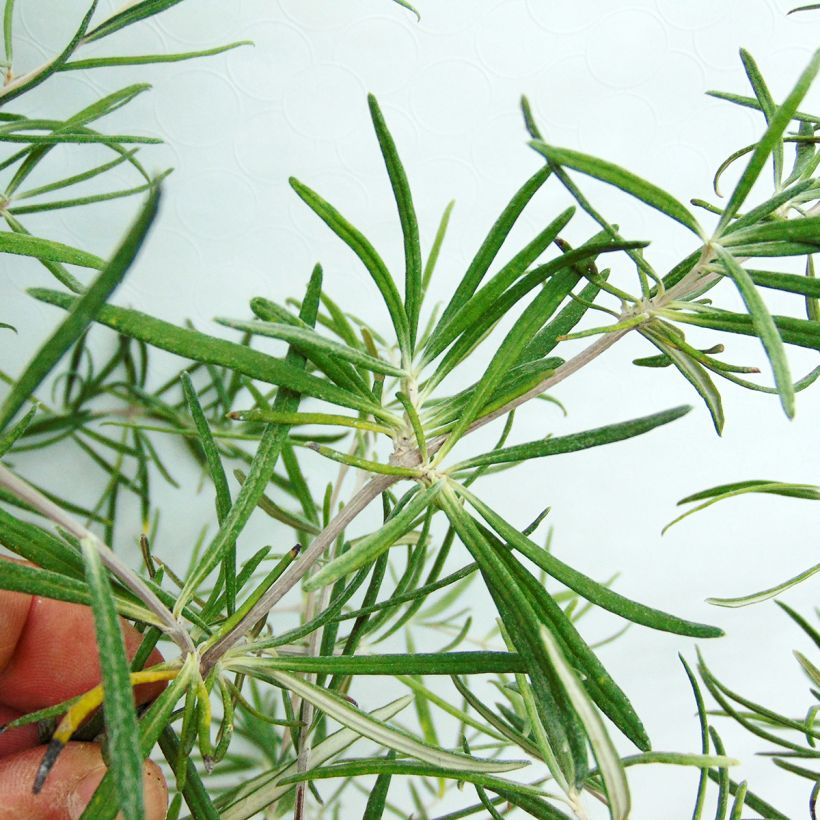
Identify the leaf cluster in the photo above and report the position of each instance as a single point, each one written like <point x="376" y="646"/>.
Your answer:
<point x="382" y="410"/>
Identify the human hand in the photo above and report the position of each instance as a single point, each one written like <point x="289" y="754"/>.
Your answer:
<point x="48" y="653"/>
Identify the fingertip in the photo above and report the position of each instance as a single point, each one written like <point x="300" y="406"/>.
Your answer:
<point x="155" y="792"/>
<point x="70" y="785"/>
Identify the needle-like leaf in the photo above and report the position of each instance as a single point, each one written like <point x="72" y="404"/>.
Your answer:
<point x="263" y="463"/>
<point x="407" y="215"/>
<point x="83" y="312"/>
<point x="778" y="123"/>
<point x="765" y="328"/>
<point x="578" y="441"/>
<point x="586" y="587"/>
<point x="621" y="178"/>
<point x="368" y="255"/>
<point x="122" y="731"/>
<point x="609" y="763"/>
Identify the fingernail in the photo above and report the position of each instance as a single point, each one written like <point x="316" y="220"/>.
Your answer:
<point x="82" y="793"/>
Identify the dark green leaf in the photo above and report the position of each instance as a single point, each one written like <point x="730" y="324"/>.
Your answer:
<point x="263" y="463"/>
<point x="577" y="441"/>
<point x="122" y="732"/>
<point x="621" y="178"/>
<point x="83" y="312"/>
<point x="150" y="59"/>
<point x="778" y="123"/>
<point x="407" y="216"/>
<point x="368" y="255"/>
<point x="492" y="243"/>
<point x="765" y="328"/>
<point x="586" y="587"/>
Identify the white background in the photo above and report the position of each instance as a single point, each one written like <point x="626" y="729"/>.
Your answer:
<point x="622" y="80"/>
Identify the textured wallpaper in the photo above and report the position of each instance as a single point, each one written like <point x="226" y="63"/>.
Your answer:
<point x="622" y="80"/>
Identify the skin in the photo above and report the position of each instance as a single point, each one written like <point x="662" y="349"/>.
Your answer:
<point x="48" y="653"/>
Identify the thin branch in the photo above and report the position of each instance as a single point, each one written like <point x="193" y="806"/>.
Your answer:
<point x="373" y="489"/>
<point x="25" y="492"/>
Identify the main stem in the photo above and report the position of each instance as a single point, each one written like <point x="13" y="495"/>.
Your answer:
<point x="375" y="487"/>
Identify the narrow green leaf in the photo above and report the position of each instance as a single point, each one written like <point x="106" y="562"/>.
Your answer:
<point x="341" y="710"/>
<point x="483" y="316"/>
<point x="767" y="105"/>
<point x="91" y="199"/>
<point x="805" y="229"/>
<point x="800" y="332"/>
<point x="263" y="463"/>
<point x="406" y="5"/>
<point x="291" y="519"/>
<point x="812" y="672"/>
<point x="566" y="751"/>
<point x="341" y="372"/>
<point x="369" y="548"/>
<point x="765" y="594"/>
<point x="309" y="341"/>
<point x="352" y="768"/>
<point x="809" y="286"/>
<point x="39" y="547"/>
<point x="438" y="240"/>
<point x="79" y="138"/>
<point x="84" y="311"/>
<point x="8" y="29"/>
<point x="771" y="138"/>
<point x="414" y="663"/>
<point x="812" y="299"/>
<point x="577" y="441"/>
<point x="75" y="179"/>
<point x="764" y="326"/>
<point x="296" y="419"/>
<point x="8" y="439"/>
<point x="608" y="696"/>
<point x="122" y="731"/>
<point x="751" y="102"/>
<point x="384" y="468"/>
<point x="59" y="587"/>
<point x="407" y="216"/>
<point x="47" y="250"/>
<point x="201" y="347"/>
<point x="609" y="763"/>
<point x="546" y="340"/>
<point x="374" y="810"/>
<point x="586" y="587"/>
<point x="368" y="255"/>
<point x="621" y="178"/>
<point x="739" y="801"/>
<point x="492" y="243"/>
<point x="129" y="14"/>
<point x="150" y="59"/>
<point x="724" y="491"/>
<point x="693" y="372"/>
<point x="704" y="737"/>
<point x="542" y="307"/>
<point x="235" y="618"/>
<point x="32" y="79"/>
<point x="811" y="631"/>
<point x="261" y="791"/>
<point x="754" y="802"/>
<point x="477" y="305"/>
<point x="222" y="497"/>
